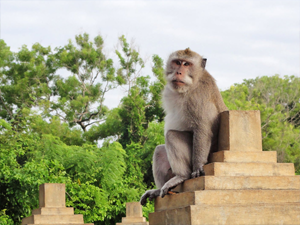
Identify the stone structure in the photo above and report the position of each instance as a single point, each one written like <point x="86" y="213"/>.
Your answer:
<point x="134" y="215"/>
<point x="243" y="184"/>
<point x="53" y="208"/>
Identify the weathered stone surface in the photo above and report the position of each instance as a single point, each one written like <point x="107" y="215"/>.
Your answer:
<point x="134" y="209"/>
<point x="134" y="215"/>
<point x="249" y="169"/>
<point x="240" y="182"/>
<point x="133" y="219"/>
<point x="258" y="157"/>
<point x="133" y="223"/>
<point x="230" y="214"/>
<point x="52" y="195"/>
<point x="53" y="211"/>
<point x="52" y="208"/>
<point x="215" y="197"/>
<point x="240" y="131"/>
<point x="53" y="219"/>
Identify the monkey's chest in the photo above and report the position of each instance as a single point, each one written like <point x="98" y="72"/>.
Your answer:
<point x="177" y="120"/>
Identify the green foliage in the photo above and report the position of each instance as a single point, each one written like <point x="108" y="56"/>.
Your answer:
<point x="111" y="127"/>
<point x="55" y="127"/>
<point x="95" y="178"/>
<point x="155" y="136"/>
<point x="154" y="110"/>
<point x="25" y="81"/>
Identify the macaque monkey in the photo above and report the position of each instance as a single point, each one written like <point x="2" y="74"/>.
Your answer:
<point x="192" y="103"/>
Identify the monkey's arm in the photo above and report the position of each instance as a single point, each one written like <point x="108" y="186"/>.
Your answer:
<point x="202" y="140"/>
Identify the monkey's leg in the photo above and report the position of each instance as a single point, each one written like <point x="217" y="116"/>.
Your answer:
<point x="179" y="146"/>
<point x="161" y="171"/>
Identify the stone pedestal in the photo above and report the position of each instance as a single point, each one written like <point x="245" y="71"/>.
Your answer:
<point x="242" y="184"/>
<point x="53" y="208"/>
<point x="134" y="215"/>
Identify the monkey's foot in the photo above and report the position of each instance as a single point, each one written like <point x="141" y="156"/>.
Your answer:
<point x="150" y="194"/>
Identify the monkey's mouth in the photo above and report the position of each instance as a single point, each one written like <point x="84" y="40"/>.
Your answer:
<point x="178" y="82"/>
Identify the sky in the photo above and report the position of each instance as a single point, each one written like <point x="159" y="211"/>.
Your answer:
<point x="241" y="39"/>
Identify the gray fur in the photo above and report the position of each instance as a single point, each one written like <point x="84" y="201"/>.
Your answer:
<point x="191" y="124"/>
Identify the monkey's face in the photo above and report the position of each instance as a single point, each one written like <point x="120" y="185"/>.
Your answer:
<point x="179" y="76"/>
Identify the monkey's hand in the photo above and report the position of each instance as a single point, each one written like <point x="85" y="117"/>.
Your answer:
<point x="163" y="191"/>
<point x="198" y="172"/>
<point x="151" y="194"/>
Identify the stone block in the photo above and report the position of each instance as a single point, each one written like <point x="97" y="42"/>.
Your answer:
<point x="240" y="182"/>
<point x="249" y="169"/>
<point x="53" y="219"/>
<point x="230" y="214"/>
<point x="216" y="197"/>
<point x="259" y="157"/>
<point x="53" y="211"/>
<point x="52" y="195"/>
<point x="133" y="219"/>
<point x="134" y="215"/>
<point x="240" y="131"/>
<point x="134" y="209"/>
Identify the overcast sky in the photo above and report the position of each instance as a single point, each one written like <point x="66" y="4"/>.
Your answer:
<point x="241" y="39"/>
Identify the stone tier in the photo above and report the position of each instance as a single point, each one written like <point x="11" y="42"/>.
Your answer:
<point x="244" y="157"/>
<point x="53" y="208"/>
<point x="134" y="215"/>
<point x="230" y="214"/>
<point x="240" y="183"/>
<point x="249" y="169"/>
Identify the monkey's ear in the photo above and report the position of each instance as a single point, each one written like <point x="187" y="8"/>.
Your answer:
<point x="203" y="63"/>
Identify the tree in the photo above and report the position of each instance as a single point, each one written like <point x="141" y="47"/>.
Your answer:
<point x="25" y="82"/>
<point x="81" y="96"/>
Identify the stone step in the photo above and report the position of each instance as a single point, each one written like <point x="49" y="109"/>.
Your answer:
<point x="133" y="223"/>
<point x="240" y="182"/>
<point x="255" y="157"/>
<point x="133" y="219"/>
<point x="219" y="197"/>
<point x="53" y="211"/>
<point x="53" y="219"/>
<point x="249" y="169"/>
<point x="230" y="214"/>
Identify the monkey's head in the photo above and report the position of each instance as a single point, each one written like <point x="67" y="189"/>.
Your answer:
<point x="184" y="68"/>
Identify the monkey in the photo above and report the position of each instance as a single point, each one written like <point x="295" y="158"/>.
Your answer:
<point x="192" y="103"/>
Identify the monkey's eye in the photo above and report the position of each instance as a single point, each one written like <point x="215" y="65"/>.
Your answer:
<point x="186" y="64"/>
<point x="178" y="62"/>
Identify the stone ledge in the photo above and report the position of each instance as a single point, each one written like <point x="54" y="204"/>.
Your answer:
<point x="53" y="211"/>
<point x="240" y="182"/>
<point x="133" y="219"/>
<point x="249" y="169"/>
<point x="219" y="197"/>
<point x="259" y="157"/>
<point x="227" y="214"/>
<point x="53" y="219"/>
